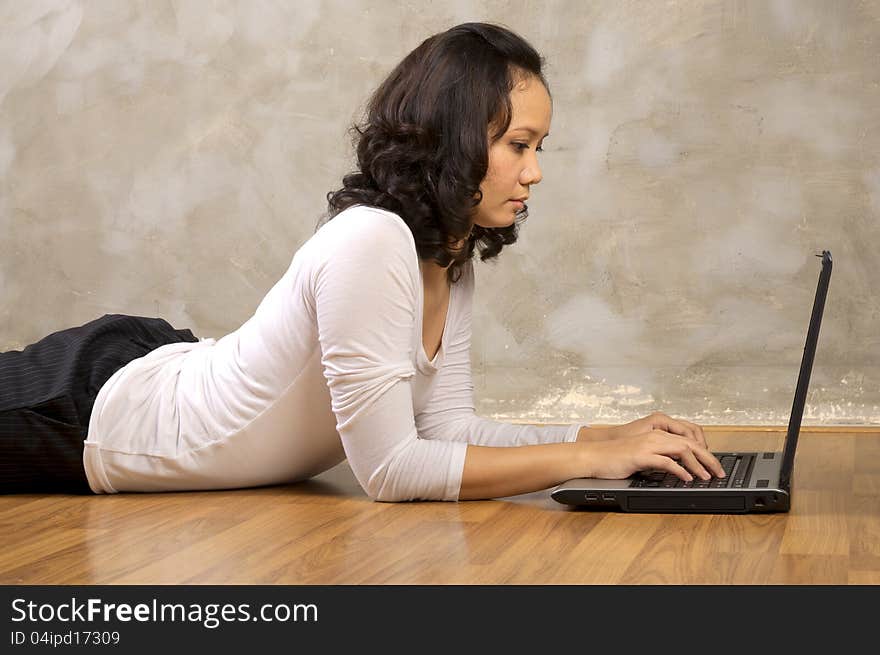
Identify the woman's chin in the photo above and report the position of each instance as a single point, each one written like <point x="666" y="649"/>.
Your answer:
<point x="503" y="218"/>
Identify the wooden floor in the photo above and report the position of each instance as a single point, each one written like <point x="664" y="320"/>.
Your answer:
<point x="326" y="531"/>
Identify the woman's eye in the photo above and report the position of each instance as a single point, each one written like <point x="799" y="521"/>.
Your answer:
<point x="524" y="146"/>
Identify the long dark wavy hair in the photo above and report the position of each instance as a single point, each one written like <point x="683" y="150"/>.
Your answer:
<point x="422" y="147"/>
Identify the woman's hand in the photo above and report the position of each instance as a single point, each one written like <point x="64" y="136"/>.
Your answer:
<point x="657" y="441"/>
<point x="659" y="421"/>
<point x="654" y="450"/>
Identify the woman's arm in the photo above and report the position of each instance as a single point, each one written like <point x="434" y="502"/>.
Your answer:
<point x="496" y="472"/>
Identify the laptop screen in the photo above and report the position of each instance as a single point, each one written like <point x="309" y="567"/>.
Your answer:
<point x="800" y="394"/>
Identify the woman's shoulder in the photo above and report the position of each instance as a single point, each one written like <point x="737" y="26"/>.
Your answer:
<point x="367" y="218"/>
<point x="363" y="231"/>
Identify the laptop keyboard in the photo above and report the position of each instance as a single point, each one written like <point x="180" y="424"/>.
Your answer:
<point x="737" y="467"/>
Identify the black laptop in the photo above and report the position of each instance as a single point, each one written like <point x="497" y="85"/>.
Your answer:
<point x="755" y="482"/>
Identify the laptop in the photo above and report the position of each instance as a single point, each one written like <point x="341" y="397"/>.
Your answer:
<point x="754" y="482"/>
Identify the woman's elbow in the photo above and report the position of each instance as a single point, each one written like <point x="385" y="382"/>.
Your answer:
<point x="379" y="489"/>
<point x="386" y="494"/>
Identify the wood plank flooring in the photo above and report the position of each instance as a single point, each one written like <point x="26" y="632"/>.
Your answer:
<point x="326" y="531"/>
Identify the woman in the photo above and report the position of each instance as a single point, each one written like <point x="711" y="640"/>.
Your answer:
<point x="361" y="349"/>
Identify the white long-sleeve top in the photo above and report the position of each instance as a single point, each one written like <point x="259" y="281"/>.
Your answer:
<point x="331" y="365"/>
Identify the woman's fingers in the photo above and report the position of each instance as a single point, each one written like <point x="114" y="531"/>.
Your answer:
<point x="689" y="459"/>
<point x="661" y="463"/>
<point x="686" y="429"/>
<point x="710" y="462"/>
<point x="696" y="459"/>
<point x="697" y="433"/>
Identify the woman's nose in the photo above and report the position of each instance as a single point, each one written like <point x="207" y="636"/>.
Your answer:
<point x="531" y="174"/>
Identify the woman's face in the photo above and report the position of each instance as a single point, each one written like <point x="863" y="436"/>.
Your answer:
<point x="513" y="159"/>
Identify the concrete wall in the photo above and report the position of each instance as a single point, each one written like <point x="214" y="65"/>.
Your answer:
<point x="168" y="158"/>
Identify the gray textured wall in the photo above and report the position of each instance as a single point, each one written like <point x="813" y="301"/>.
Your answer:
<point x="168" y="158"/>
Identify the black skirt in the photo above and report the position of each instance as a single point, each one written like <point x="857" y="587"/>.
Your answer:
<point x="47" y="392"/>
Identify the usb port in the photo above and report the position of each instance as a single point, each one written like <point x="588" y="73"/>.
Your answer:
<point x="608" y="497"/>
<point x="592" y="498"/>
